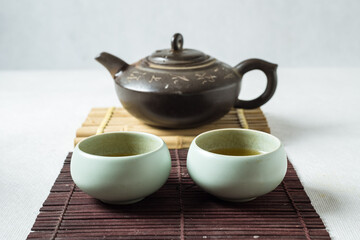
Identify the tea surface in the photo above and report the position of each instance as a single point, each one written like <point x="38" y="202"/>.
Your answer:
<point x="120" y="155"/>
<point x="236" y="151"/>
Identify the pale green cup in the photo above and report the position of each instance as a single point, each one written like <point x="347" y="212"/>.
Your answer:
<point x="237" y="178"/>
<point x="120" y="179"/>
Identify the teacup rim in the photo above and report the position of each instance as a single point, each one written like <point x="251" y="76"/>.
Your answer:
<point x="238" y="129"/>
<point x="162" y="143"/>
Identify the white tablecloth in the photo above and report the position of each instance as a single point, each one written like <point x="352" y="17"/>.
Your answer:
<point x="315" y="112"/>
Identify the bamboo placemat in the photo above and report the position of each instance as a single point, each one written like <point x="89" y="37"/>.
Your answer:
<point x="179" y="210"/>
<point x="112" y="119"/>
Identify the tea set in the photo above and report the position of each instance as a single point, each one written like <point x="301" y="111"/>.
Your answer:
<point x="181" y="88"/>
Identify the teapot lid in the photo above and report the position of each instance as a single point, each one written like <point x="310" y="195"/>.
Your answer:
<point x="177" y="56"/>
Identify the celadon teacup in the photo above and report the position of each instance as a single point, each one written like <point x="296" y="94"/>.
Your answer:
<point x="236" y="178"/>
<point x="120" y="167"/>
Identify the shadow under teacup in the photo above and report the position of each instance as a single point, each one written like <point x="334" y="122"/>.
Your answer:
<point x="120" y="167"/>
<point x="236" y="164"/>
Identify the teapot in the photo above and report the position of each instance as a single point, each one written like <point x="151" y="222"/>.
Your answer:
<point x="183" y="88"/>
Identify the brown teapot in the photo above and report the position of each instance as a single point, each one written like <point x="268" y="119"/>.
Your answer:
<point x="182" y="88"/>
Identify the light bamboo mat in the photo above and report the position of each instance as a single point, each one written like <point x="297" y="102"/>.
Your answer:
<point x="105" y="120"/>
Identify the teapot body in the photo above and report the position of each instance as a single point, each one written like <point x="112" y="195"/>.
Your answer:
<point x="178" y="98"/>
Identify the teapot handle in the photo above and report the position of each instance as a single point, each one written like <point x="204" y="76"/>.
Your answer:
<point x="270" y="71"/>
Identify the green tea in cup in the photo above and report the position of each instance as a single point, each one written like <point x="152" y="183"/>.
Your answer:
<point x="236" y="151"/>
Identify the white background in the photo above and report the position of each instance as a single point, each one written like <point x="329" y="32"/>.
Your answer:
<point x="42" y="34"/>
<point x="314" y="110"/>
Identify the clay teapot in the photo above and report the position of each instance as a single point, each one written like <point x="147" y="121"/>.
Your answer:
<point x="182" y="88"/>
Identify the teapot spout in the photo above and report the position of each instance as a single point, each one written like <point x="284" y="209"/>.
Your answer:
<point x="113" y="64"/>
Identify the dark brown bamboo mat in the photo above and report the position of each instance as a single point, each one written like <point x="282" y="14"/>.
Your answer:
<point x="179" y="210"/>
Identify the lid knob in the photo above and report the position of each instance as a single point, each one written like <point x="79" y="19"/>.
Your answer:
<point x="177" y="56"/>
<point x="177" y="42"/>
